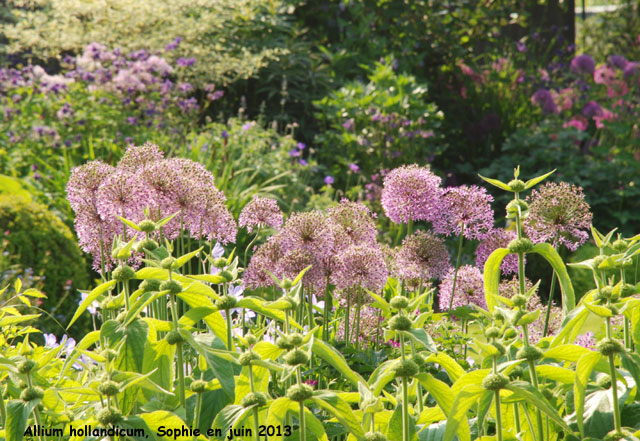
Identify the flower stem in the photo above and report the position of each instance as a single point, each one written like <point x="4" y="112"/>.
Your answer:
<point x="227" y="313"/>
<point x="405" y="396"/>
<point x="614" y="385"/>
<point x="256" y="421"/>
<point x="303" y="429"/>
<point x="325" y="315"/>
<point x="455" y="273"/>
<point x="554" y="278"/>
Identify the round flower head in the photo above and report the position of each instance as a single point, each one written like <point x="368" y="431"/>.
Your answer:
<point x="266" y="258"/>
<point x="164" y="184"/>
<point x="261" y="212"/>
<point x="137" y="156"/>
<point x="214" y="220"/>
<point x="307" y="231"/>
<point x="544" y="99"/>
<point x="296" y="260"/>
<point x="498" y="239"/>
<point x="95" y="236"/>
<point x="356" y="222"/>
<point x="583" y="64"/>
<point x="469" y="288"/>
<point x="122" y="194"/>
<point x="370" y="320"/>
<point x="618" y="61"/>
<point x="83" y="185"/>
<point x="465" y="210"/>
<point x="509" y="288"/>
<point x="422" y="255"/>
<point x="361" y="266"/>
<point x="411" y="193"/>
<point x="558" y="214"/>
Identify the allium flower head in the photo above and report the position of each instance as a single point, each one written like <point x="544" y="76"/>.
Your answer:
<point x="558" y="214"/>
<point x="498" y="239"/>
<point x="583" y="64"/>
<point x="355" y="220"/>
<point x="361" y="267"/>
<point x="122" y="194"/>
<point x="266" y="258"/>
<point x="586" y="340"/>
<point x="307" y="231"/>
<point x="411" y="193"/>
<point x="544" y="99"/>
<point x="214" y="220"/>
<point x="618" y="61"/>
<point x="296" y="260"/>
<point x="422" y="255"/>
<point x="83" y="185"/>
<point x="469" y="288"/>
<point x="261" y="212"/>
<point x="137" y="156"/>
<point x="465" y="210"/>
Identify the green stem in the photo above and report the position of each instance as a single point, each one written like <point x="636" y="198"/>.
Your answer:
<point x="196" y="421"/>
<point x="246" y="250"/>
<point x="554" y="278"/>
<point x="455" y="273"/>
<point x="498" y="416"/>
<point x="181" y="386"/>
<point x="303" y="429"/>
<point x="346" y="321"/>
<point x="357" y="334"/>
<point x="227" y="313"/>
<point x="256" y="421"/>
<point x="614" y="384"/>
<point x="36" y="412"/>
<point x="325" y="315"/>
<point x="405" y="396"/>
<point x="3" y="409"/>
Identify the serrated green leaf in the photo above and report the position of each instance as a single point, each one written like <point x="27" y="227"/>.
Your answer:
<point x="335" y="359"/>
<point x="339" y="409"/>
<point x="462" y="403"/>
<point x="180" y="261"/>
<point x="454" y="370"/>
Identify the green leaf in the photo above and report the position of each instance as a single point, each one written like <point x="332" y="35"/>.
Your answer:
<point x="339" y="409"/>
<point x="492" y="276"/>
<point x="531" y="182"/>
<point x="228" y="417"/>
<point x="221" y="367"/>
<point x="496" y="182"/>
<point x="167" y="419"/>
<point x="421" y="337"/>
<point x="598" y="310"/>
<point x="300" y="276"/>
<point x="533" y="396"/>
<point x="571" y="326"/>
<point x="277" y="412"/>
<point x="551" y="256"/>
<point x="461" y="405"/>
<point x="180" y="261"/>
<point x="454" y="370"/>
<point x="93" y="295"/>
<point x="555" y="373"/>
<point x="335" y="359"/>
<point x="214" y="321"/>
<point x="17" y="416"/>
<point x="125" y="251"/>
<point x="163" y="221"/>
<point x="394" y="427"/>
<point x="129" y="223"/>
<point x="87" y="341"/>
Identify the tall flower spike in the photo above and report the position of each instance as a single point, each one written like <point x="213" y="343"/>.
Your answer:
<point x="498" y="239"/>
<point x="558" y="214"/>
<point x="469" y="288"/>
<point x="411" y="193"/>
<point x="261" y="212"/>
<point x="422" y="255"/>
<point x="465" y="208"/>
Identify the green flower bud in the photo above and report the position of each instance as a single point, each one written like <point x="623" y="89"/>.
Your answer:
<point x="516" y="185"/>
<point x="374" y="436"/>
<point x="26" y="366"/>
<point x="109" y="354"/>
<point x="400" y="302"/>
<point x="529" y="353"/>
<point x="418" y="360"/>
<point x="251" y="339"/>
<point x="405" y="369"/>
<point x="516" y="373"/>
<point x="147" y="226"/>
<point x="617" y="436"/>
<point x="495" y="382"/>
<point x="109" y="388"/>
<point x="605" y="293"/>
<point x="220" y="262"/>
<point x="627" y="290"/>
<point x="121" y="316"/>
<point x="620" y="246"/>
<point x="609" y="346"/>
<point x="400" y="323"/>
<point x="510" y="333"/>
<point x="519" y="300"/>
<point x="613" y="309"/>
<point x="300" y="392"/>
<point x="254" y="398"/>
<point x="150" y="285"/>
<point x="492" y="332"/>
<point x="109" y="417"/>
<point x="22" y="385"/>
<point x="497" y="315"/>
<point x="228" y="276"/>
<point x="167" y="262"/>
<point x="32" y="393"/>
<point x="523" y="245"/>
<point x="295" y="357"/>
<point x="287" y="284"/>
<point x="598" y="260"/>
<point x="198" y="386"/>
<point x="604" y="381"/>
<point x="246" y="358"/>
<point x="226" y="302"/>
<point x="283" y="343"/>
<point x="517" y="316"/>
<point x="499" y="346"/>
<point x="123" y="273"/>
<point x="117" y="250"/>
<point x="146" y="244"/>
<point x="295" y="339"/>
<point x="512" y="207"/>
<point x="174" y="337"/>
<point x="173" y="286"/>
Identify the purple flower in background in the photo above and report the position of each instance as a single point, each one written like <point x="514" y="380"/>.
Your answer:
<point x="498" y="239"/>
<point x="132" y="120"/>
<point x="586" y="340"/>
<point x="466" y="210"/>
<point x="411" y="193"/>
<point x="544" y="99"/>
<point x="186" y="62"/>
<point x="592" y="109"/>
<point x="354" y="167"/>
<point x="302" y="162"/>
<point x="349" y="124"/>
<point x="224" y="134"/>
<point x="185" y="87"/>
<point x="558" y="214"/>
<point x="308" y="231"/>
<point x="215" y="95"/>
<point x="261" y="212"/>
<point x="328" y="180"/>
<point x="360" y="266"/>
<point x="247" y="126"/>
<point x="266" y="257"/>
<point x="301" y="146"/>
<point x="423" y="255"/>
<point x="583" y="64"/>
<point x="469" y="288"/>
<point x="93" y="307"/>
<point x="631" y="69"/>
<point x="137" y="156"/>
<point x="50" y="341"/>
<point x="355" y="221"/>
<point x="521" y="46"/>
<point x="294" y="153"/>
<point x="174" y="44"/>
<point x="618" y="61"/>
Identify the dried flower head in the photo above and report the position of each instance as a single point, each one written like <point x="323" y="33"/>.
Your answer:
<point x="411" y="193"/>
<point x="259" y="213"/>
<point x="465" y="210"/>
<point x="422" y="255"/>
<point x="469" y="288"/>
<point x="498" y="239"/>
<point x="558" y="214"/>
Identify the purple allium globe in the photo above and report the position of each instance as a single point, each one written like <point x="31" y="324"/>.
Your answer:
<point x="83" y="185"/>
<point x="259" y="213"/>
<point x="583" y="64"/>
<point x="618" y="61"/>
<point x="423" y="255"/>
<point x="356" y="222"/>
<point x="266" y="258"/>
<point x="361" y="266"/>
<point x="123" y="194"/>
<point x="544" y="99"/>
<point x="465" y="210"/>
<point x="469" y="288"/>
<point x="296" y="260"/>
<point x="307" y="231"/>
<point x="559" y="215"/>
<point x="411" y="193"/>
<point x="498" y="238"/>
<point x="137" y="156"/>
